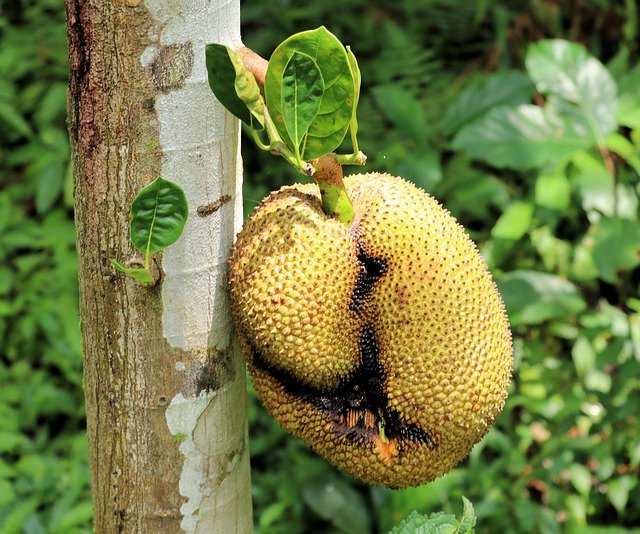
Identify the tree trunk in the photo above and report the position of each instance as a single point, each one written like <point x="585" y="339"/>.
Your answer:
<point x="164" y="383"/>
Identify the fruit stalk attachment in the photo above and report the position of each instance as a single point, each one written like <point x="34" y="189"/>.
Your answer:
<point x="298" y="105"/>
<point x="329" y="177"/>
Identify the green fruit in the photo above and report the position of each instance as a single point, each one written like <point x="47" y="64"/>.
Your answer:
<point x="384" y="345"/>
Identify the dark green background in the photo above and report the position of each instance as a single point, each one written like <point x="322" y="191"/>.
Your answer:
<point x="566" y="451"/>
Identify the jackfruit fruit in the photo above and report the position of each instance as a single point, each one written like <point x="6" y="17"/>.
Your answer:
<point x="384" y="345"/>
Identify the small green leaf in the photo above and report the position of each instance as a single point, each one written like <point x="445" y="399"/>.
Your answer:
<point x="567" y="71"/>
<point x="336" y="109"/>
<point x="514" y="222"/>
<point x="158" y="216"/>
<point x="302" y="90"/>
<point x="584" y="357"/>
<point x="619" y="489"/>
<point x="50" y="179"/>
<point x="580" y="478"/>
<point x="521" y="138"/>
<point x="12" y="119"/>
<point x="577" y="509"/>
<point x="234" y="86"/>
<point x="137" y="273"/>
<point x="468" y="519"/>
<point x="553" y="191"/>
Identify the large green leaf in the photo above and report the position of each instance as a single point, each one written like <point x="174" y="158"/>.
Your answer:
<point x="521" y="138"/>
<point x="234" y="86"/>
<point x="336" y="109"/>
<point x="533" y="297"/>
<point x="584" y="89"/>
<point x="302" y="89"/>
<point x="507" y="88"/>
<point x="158" y="216"/>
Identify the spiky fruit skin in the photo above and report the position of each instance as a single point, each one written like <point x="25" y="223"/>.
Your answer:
<point x="384" y="345"/>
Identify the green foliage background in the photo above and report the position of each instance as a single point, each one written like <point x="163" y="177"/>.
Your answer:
<point x="442" y="83"/>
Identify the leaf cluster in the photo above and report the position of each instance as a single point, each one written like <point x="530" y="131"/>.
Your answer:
<point x="310" y="96"/>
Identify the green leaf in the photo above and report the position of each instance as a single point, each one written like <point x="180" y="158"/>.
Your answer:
<point x="468" y="519"/>
<point x="553" y="191"/>
<point x="533" y="297"/>
<point x="577" y="509"/>
<point x="137" y="273"/>
<point x="567" y="71"/>
<point x="597" y="380"/>
<point x="234" y="86"/>
<point x="625" y="148"/>
<point x="521" y="138"/>
<point x="584" y="357"/>
<point x="158" y="215"/>
<point x="302" y="90"/>
<point x="618" y="491"/>
<point x="49" y="184"/>
<point x="580" y="478"/>
<point x="438" y="522"/>
<point x="357" y="80"/>
<point x="514" y="222"/>
<point x="404" y="111"/>
<point x="616" y="246"/>
<point x="510" y="88"/>
<point x="336" y="109"/>
<point x="14" y="120"/>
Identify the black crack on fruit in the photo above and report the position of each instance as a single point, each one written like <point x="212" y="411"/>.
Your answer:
<point x="358" y="407"/>
<point x="371" y="269"/>
<point x="384" y="346"/>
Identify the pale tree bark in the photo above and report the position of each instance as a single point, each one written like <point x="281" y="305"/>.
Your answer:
<point x="164" y="383"/>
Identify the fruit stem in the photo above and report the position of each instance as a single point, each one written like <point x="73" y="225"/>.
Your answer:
<point x="328" y="170"/>
<point x="329" y="177"/>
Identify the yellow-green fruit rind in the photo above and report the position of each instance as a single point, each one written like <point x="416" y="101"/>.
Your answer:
<point x="384" y="345"/>
<point x="291" y="264"/>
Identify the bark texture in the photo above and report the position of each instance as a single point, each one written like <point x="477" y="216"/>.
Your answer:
<point x="165" y="402"/>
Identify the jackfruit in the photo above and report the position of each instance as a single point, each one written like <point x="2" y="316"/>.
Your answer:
<point x="384" y="345"/>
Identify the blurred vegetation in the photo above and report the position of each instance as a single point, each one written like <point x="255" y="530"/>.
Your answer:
<point x="544" y="176"/>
